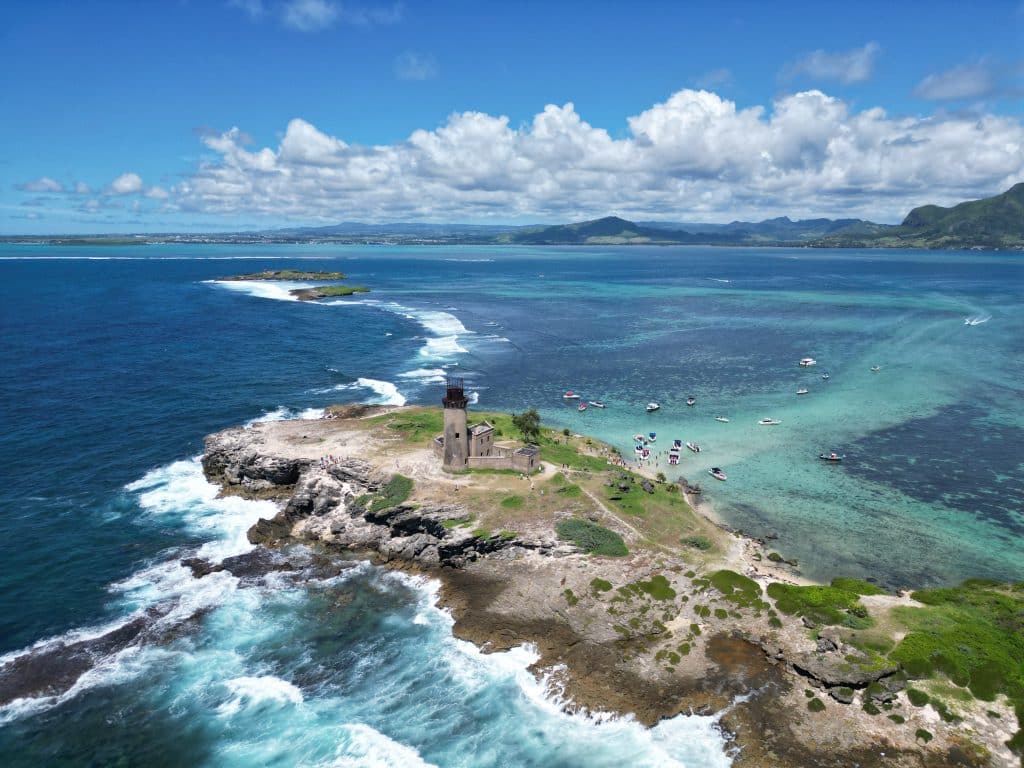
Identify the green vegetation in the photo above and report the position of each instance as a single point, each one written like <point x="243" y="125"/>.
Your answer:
<point x="570" y="490"/>
<point x="456" y="522"/>
<point x="835" y="604"/>
<point x="327" y="291"/>
<point x="738" y="589"/>
<point x="898" y="719"/>
<point x="528" y="424"/>
<point x="871" y="709"/>
<point x="658" y="588"/>
<point x="698" y="541"/>
<point x="591" y="537"/>
<point x="392" y="493"/>
<point x="600" y="585"/>
<point x="482" y="533"/>
<point x="507" y="535"/>
<point x="922" y="735"/>
<point x="570" y="598"/>
<point x="416" y="426"/>
<point x="816" y="705"/>
<point x="513" y="502"/>
<point x="917" y="697"/>
<point x="288" y="274"/>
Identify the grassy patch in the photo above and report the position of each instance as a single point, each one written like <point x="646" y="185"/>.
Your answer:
<point x="922" y="735"/>
<point x="657" y="588"/>
<point x="591" y="537"/>
<point x="816" y="705"/>
<point x="898" y="719"/>
<point x="917" y="697"/>
<point x="392" y="493"/>
<point x="570" y="490"/>
<point x="703" y="543"/>
<point x="456" y="522"/>
<point x="600" y="585"/>
<point x="823" y="605"/>
<point x="570" y="598"/>
<point x="738" y="589"/>
<point x="513" y="502"/>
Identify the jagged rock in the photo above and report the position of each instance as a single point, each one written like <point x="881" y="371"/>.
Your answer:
<point x="808" y="623"/>
<point x="835" y="670"/>
<point x="200" y="567"/>
<point x="842" y="694"/>
<point x="825" y="645"/>
<point x="647" y="485"/>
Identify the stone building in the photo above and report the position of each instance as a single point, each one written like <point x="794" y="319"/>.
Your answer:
<point x="465" y="445"/>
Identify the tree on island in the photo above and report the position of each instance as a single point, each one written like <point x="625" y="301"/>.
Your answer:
<point x="528" y="422"/>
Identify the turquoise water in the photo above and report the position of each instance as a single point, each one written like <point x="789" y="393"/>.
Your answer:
<point x="116" y="362"/>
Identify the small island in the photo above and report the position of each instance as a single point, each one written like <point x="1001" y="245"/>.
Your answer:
<point x="305" y="294"/>
<point x="636" y="601"/>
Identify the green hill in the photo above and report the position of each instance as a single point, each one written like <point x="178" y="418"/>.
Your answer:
<point x="992" y="221"/>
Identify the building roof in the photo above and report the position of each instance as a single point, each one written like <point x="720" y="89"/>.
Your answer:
<point x="479" y="429"/>
<point x="528" y="450"/>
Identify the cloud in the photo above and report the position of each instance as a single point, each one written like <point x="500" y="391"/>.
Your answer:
<point x="854" y="66"/>
<point x="157" y="193"/>
<point x="967" y="81"/>
<point x="310" y="15"/>
<point x="125" y="184"/>
<point x="694" y="154"/>
<point x="42" y="184"/>
<point x="414" y="66"/>
<point x="81" y="188"/>
<point x="715" y="78"/>
<point x="253" y="8"/>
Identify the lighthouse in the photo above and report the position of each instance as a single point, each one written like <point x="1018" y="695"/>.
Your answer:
<point x="456" y="430"/>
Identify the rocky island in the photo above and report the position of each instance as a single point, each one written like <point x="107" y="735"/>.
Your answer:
<point x="305" y="294"/>
<point x="636" y="601"/>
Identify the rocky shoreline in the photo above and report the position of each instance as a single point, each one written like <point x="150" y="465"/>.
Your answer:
<point x="642" y="635"/>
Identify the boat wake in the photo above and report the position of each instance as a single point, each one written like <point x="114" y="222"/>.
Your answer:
<point x="977" y="319"/>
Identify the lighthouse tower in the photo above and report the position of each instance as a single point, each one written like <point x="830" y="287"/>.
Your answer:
<point x="456" y="431"/>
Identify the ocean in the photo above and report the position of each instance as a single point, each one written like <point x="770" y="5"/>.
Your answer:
<point x="115" y="362"/>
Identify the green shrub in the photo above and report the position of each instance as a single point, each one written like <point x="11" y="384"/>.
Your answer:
<point x="871" y="709"/>
<point x="570" y="598"/>
<point x="392" y="493"/>
<point x="721" y="613"/>
<point x="658" y="588"/>
<point x="816" y="705"/>
<point x="898" y="719"/>
<point x="823" y="605"/>
<point x="600" y="585"/>
<point x="922" y="735"/>
<point x="917" y="697"/>
<point x="591" y="537"/>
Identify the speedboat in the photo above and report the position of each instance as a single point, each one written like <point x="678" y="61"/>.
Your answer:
<point x="673" y="459"/>
<point x="723" y="419"/>
<point x="691" y="400"/>
<point x="582" y="407"/>
<point x="652" y="436"/>
<point x="769" y="422"/>
<point x="716" y="473"/>
<point x="638" y="438"/>
<point x="597" y="404"/>
<point x="833" y="456"/>
<point x="803" y="391"/>
<point x="825" y="376"/>
<point x="638" y="449"/>
<point x="570" y="395"/>
<point x="876" y="368"/>
<point x="807" y="362"/>
<point x="652" y="407"/>
<point x="693" y="447"/>
<point x="677" y="444"/>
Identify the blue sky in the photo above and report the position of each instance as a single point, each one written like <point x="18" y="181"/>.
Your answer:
<point x="118" y="116"/>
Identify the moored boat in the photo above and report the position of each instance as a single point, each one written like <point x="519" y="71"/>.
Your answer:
<point x="652" y="407"/>
<point x="807" y="362"/>
<point x="769" y="422"/>
<point x="597" y="404"/>
<point x="693" y="447"/>
<point x="570" y="395"/>
<point x="677" y="444"/>
<point x="803" y="391"/>
<point x="723" y="419"/>
<point x="717" y="473"/>
<point x="582" y="407"/>
<point x="833" y="456"/>
<point x="876" y="368"/>
<point x="691" y="400"/>
<point x="825" y="376"/>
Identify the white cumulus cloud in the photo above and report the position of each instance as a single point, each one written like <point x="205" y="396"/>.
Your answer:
<point x="42" y="184"/>
<point x="126" y="184"/>
<point x="967" y="81"/>
<point x="854" y="66"/>
<point x="695" y="154"/>
<point x="310" y="15"/>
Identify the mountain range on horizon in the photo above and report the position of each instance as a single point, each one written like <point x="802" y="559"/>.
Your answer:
<point x="990" y="223"/>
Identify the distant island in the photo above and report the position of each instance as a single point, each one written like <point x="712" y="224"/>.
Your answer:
<point x="305" y="294"/>
<point x="993" y="223"/>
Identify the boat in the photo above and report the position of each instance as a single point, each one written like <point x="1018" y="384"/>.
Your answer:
<point x="652" y="407"/>
<point x="646" y="453"/>
<point x="677" y="444"/>
<point x="807" y="362"/>
<point x="716" y="473"/>
<point x="691" y="400"/>
<point x="638" y="448"/>
<point x="570" y="395"/>
<point x="652" y="436"/>
<point x="693" y="447"/>
<point x="769" y="422"/>
<point x="582" y="407"/>
<point x="825" y="376"/>
<point x="803" y="391"/>
<point x="723" y="419"/>
<point x="597" y="404"/>
<point x="638" y="438"/>
<point x="673" y="459"/>
<point x="833" y="456"/>
<point x="876" y="368"/>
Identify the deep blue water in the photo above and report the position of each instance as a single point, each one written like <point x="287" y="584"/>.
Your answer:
<point x="113" y="369"/>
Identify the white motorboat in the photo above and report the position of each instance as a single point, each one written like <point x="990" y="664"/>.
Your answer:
<point x="597" y="404"/>
<point x="691" y="400"/>
<point x="825" y="376"/>
<point x="693" y="447"/>
<point x="570" y="395"/>
<point x="807" y="362"/>
<point x="876" y="368"/>
<point x="769" y="422"/>
<point x="803" y="391"/>
<point x="831" y="456"/>
<point x="723" y="419"/>
<point x="582" y="407"/>
<point x="716" y="473"/>
<point x="651" y="407"/>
